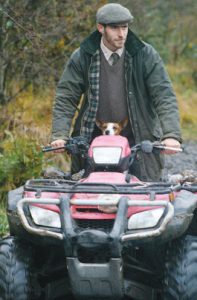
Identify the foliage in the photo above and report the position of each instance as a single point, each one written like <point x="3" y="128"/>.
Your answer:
<point x="185" y="87"/>
<point x="3" y="220"/>
<point x="25" y="129"/>
<point x="36" y="38"/>
<point x="167" y="26"/>
<point x="20" y="160"/>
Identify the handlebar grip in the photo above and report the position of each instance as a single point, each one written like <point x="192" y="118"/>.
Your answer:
<point x="50" y="148"/>
<point x="163" y="147"/>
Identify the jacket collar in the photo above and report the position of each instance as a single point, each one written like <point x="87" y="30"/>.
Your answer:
<point x="92" y="43"/>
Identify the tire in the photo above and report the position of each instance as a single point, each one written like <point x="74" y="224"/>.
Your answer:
<point x="15" y="274"/>
<point x="180" y="276"/>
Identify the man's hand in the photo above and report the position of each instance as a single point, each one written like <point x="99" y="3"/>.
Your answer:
<point x="58" y="143"/>
<point x="170" y="142"/>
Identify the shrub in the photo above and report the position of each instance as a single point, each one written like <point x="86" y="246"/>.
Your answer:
<point x="21" y="158"/>
<point x="3" y="221"/>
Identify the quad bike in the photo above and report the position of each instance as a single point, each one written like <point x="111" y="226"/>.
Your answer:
<point x="106" y="236"/>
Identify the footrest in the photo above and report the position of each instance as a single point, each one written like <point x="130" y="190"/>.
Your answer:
<point x="96" y="281"/>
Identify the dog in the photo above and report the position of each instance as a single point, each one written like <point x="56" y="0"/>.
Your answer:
<point x="111" y="128"/>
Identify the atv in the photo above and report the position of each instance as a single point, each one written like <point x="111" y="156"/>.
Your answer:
<point x="107" y="235"/>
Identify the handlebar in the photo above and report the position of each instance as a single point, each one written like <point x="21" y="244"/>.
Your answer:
<point x="163" y="147"/>
<point x="154" y="147"/>
<point x="149" y="147"/>
<point x="50" y="148"/>
<point x="79" y="145"/>
<point x="76" y="145"/>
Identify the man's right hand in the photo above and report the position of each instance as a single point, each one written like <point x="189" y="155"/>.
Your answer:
<point x="58" y="143"/>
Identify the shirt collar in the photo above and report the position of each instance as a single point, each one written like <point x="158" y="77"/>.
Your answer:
<point x="107" y="52"/>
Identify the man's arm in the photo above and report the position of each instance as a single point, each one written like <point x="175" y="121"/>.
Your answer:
<point x="163" y="97"/>
<point x="68" y="94"/>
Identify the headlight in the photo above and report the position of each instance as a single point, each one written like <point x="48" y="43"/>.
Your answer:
<point x="145" y="219"/>
<point x="107" y="155"/>
<point x="45" y="217"/>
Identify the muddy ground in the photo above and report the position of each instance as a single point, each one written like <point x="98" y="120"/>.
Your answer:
<point x="186" y="160"/>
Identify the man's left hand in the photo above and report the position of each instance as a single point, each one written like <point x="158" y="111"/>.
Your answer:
<point x="170" y="142"/>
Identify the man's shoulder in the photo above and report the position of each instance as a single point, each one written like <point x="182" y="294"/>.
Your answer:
<point x="148" y="48"/>
<point x="75" y="56"/>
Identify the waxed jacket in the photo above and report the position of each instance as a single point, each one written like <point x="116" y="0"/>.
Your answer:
<point x="151" y="101"/>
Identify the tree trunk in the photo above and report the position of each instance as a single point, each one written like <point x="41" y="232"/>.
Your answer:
<point x="3" y="62"/>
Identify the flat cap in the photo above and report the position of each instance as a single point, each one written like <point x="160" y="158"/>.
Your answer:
<point x="113" y="13"/>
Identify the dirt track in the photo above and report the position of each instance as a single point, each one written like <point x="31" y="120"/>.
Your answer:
<point x="187" y="160"/>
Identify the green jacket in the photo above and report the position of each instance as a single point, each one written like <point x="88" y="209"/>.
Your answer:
<point x="151" y="101"/>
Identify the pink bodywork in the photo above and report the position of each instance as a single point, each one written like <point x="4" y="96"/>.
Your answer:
<point x="111" y="141"/>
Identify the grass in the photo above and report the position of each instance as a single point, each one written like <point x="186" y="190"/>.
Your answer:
<point x="186" y="91"/>
<point x="31" y="115"/>
<point x="3" y="220"/>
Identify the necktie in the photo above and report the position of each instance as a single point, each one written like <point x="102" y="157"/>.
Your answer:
<point x="115" y="58"/>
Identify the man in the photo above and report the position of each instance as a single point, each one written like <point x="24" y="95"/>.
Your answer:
<point x="134" y="85"/>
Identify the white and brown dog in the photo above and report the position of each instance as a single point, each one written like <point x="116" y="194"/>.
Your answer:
<point x="110" y="128"/>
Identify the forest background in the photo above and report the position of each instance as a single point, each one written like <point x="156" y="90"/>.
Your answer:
<point x="36" y="39"/>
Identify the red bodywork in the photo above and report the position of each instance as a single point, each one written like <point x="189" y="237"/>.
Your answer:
<point x="91" y="212"/>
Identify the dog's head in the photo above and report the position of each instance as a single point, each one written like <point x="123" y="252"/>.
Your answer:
<point x="109" y="128"/>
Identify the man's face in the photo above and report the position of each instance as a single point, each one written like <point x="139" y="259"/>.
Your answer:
<point x="114" y="36"/>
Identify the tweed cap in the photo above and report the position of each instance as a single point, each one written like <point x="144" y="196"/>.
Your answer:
<point x="113" y="13"/>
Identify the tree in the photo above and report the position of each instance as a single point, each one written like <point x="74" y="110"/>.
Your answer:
<point x="36" y="38"/>
<point x="167" y="25"/>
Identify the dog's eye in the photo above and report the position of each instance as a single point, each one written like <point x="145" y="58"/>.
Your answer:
<point x="114" y="127"/>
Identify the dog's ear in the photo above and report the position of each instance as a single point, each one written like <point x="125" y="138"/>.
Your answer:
<point x="124" y="123"/>
<point x="99" y="123"/>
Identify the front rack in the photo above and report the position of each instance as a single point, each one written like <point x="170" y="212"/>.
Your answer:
<point x="68" y="186"/>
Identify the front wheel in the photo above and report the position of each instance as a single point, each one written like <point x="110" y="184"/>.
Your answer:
<point x="15" y="271"/>
<point x="180" y="277"/>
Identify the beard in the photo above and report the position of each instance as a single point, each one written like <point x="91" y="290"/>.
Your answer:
<point x="113" y="43"/>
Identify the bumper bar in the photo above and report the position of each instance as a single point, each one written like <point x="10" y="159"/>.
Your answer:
<point x="124" y="237"/>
